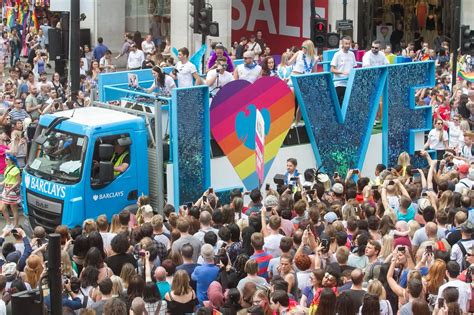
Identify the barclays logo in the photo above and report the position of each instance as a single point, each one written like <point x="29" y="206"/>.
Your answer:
<point x="48" y="188"/>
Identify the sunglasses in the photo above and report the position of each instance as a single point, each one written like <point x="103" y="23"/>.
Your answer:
<point x="304" y="47"/>
<point x="439" y="123"/>
<point x="376" y="48"/>
<point x="248" y="58"/>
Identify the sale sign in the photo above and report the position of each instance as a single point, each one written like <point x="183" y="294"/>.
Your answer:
<point x="284" y="23"/>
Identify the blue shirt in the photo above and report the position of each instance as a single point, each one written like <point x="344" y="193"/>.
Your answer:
<point x="410" y="215"/>
<point x="99" y="51"/>
<point x="204" y="275"/>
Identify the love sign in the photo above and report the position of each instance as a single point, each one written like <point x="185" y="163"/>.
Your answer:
<point x="233" y="117"/>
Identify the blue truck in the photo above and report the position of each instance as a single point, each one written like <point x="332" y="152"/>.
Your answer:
<point x="69" y="175"/>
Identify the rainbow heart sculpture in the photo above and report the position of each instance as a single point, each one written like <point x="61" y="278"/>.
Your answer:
<point x="233" y="115"/>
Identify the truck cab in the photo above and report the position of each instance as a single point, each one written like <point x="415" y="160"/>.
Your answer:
<point x="70" y="173"/>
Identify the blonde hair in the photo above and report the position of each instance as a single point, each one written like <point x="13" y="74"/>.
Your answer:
<point x="115" y="226"/>
<point x="387" y="246"/>
<point x="284" y="59"/>
<point x="310" y="50"/>
<point x="376" y="287"/>
<point x="413" y="226"/>
<point x="117" y="286"/>
<point x="33" y="270"/>
<point x="127" y="272"/>
<point x="404" y="159"/>
<point x="89" y="226"/>
<point x="180" y="285"/>
<point x="66" y="267"/>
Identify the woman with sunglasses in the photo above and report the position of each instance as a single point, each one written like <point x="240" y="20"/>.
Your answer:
<point x="455" y="132"/>
<point x="306" y="60"/>
<point x="437" y="139"/>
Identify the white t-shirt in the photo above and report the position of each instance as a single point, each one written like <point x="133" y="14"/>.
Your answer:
<point x="433" y="137"/>
<point x="343" y="62"/>
<point x="169" y="85"/>
<point x="148" y="47"/>
<point x="466" y="152"/>
<point x="456" y="136"/>
<point x="248" y="74"/>
<point x="185" y="73"/>
<point x="302" y="67"/>
<point x="464" y="292"/>
<point x="135" y="59"/>
<point x="272" y="244"/>
<point x="371" y="60"/>
<point x="221" y="80"/>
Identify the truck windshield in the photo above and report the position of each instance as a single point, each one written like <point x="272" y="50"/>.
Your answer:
<point x="59" y="158"/>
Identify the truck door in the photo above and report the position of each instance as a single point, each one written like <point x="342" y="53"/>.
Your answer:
<point x="113" y="196"/>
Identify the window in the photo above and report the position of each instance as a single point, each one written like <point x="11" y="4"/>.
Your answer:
<point x="148" y="16"/>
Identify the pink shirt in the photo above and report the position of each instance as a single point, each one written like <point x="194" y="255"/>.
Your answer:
<point x="3" y="163"/>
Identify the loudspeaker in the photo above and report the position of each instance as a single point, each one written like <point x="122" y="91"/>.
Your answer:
<point x="55" y="44"/>
<point x="27" y="302"/>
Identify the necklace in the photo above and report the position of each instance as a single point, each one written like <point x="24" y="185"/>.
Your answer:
<point x="307" y="68"/>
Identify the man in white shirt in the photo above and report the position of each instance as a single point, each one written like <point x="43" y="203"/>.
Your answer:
<point x="249" y="70"/>
<point x="374" y="57"/>
<point x="218" y="77"/>
<point x="464" y="289"/>
<point x="341" y="65"/>
<point x="254" y="46"/>
<point x="185" y="71"/>
<point x="272" y="241"/>
<point x="135" y="58"/>
<point x="465" y="178"/>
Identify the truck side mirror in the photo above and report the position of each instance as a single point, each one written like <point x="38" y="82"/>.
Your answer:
<point x="106" y="151"/>
<point x="106" y="172"/>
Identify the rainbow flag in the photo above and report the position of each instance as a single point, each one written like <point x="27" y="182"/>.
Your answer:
<point x="34" y="19"/>
<point x="468" y="76"/>
<point x="10" y="15"/>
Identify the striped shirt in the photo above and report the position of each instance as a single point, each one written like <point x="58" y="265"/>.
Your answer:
<point x="263" y="259"/>
<point x="16" y="114"/>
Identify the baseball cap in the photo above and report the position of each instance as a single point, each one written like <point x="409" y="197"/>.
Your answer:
<point x="330" y="217"/>
<point x="207" y="252"/>
<point x="463" y="169"/>
<point x="337" y="188"/>
<point x="467" y="227"/>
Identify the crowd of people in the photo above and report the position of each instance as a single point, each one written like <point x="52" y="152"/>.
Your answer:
<point x="399" y="243"/>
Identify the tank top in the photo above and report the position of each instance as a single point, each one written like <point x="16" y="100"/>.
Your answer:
<point x="177" y="308"/>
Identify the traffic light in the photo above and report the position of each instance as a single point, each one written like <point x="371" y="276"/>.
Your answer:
<point x="197" y="6"/>
<point x="319" y="32"/>
<point x="467" y="40"/>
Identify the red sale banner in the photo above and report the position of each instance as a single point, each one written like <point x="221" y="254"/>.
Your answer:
<point x="284" y="23"/>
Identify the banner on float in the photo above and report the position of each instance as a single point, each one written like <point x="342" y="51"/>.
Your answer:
<point x="260" y="147"/>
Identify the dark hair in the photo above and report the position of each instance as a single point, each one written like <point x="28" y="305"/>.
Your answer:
<point x="256" y="196"/>
<point x="187" y="251"/>
<point x="169" y="266"/>
<point x="115" y="306"/>
<point x="89" y="276"/>
<point x="100" y="40"/>
<point x="371" y="305"/>
<point x="124" y="217"/>
<point x="415" y="287"/>
<point x="210" y="238"/>
<point x="94" y="258"/>
<point x="184" y="51"/>
<point x="234" y="232"/>
<point x="105" y="286"/>
<point x="265" y="68"/>
<point x="81" y="246"/>
<point x="224" y="233"/>
<point x="8" y="248"/>
<point x="344" y="304"/>
<point x="280" y="296"/>
<point x="136" y="286"/>
<point x="151" y="294"/>
<point x="453" y="269"/>
<point x="420" y="307"/>
<point x="119" y="243"/>
<point x="161" y="76"/>
<point x="327" y="303"/>
<point x="96" y="240"/>
<point x="451" y="297"/>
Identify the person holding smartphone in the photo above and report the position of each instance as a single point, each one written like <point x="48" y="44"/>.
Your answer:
<point x="292" y="176"/>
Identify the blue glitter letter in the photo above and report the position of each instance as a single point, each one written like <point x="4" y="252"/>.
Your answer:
<point x="402" y="119"/>
<point x="340" y="137"/>
<point x="191" y="143"/>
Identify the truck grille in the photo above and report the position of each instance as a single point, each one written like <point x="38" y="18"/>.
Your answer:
<point x="44" y="211"/>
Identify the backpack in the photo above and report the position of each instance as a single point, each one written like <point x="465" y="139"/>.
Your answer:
<point x="465" y="264"/>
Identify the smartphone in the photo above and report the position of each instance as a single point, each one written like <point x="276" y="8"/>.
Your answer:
<point x="336" y="175"/>
<point x="450" y="164"/>
<point x="355" y="172"/>
<point x="401" y="249"/>
<point x="141" y="253"/>
<point x="290" y="187"/>
<point x="267" y="187"/>
<point x="440" y="302"/>
<point x="204" y="198"/>
<point x="429" y="249"/>
<point x="325" y="243"/>
<point x="391" y="182"/>
<point x="14" y="231"/>
<point x="375" y="187"/>
<point x="294" y="179"/>
<point x="211" y="190"/>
